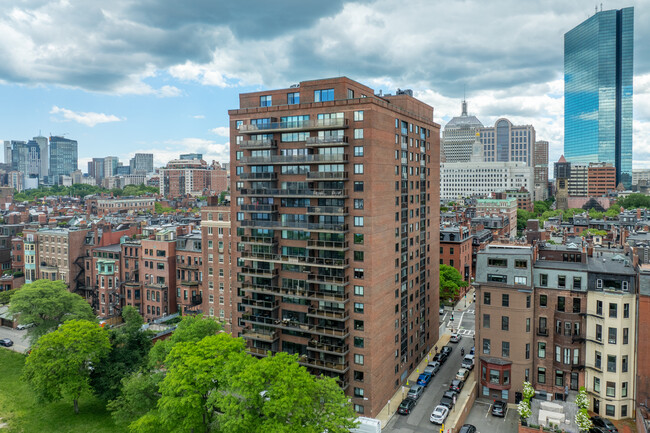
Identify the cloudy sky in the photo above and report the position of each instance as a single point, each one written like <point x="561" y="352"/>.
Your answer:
<point x="126" y="76"/>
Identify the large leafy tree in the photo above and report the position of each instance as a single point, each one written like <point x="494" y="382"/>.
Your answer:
<point x="138" y="397"/>
<point x="47" y="304"/>
<point x="129" y="348"/>
<point x="450" y="282"/>
<point x="60" y="362"/>
<point x="190" y="329"/>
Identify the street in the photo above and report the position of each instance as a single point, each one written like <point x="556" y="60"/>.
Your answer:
<point x="418" y="420"/>
<point x="21" y="343"/>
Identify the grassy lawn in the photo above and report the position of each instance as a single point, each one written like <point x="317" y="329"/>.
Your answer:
<point x="19" y="408"/>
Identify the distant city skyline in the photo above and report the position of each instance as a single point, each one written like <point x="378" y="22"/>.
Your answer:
<point x="167" y="89"/>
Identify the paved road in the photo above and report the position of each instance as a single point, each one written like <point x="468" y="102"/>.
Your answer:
<point x="484" y="422"/>
<point x="21" y="343"/>
<point x="418" y="420"/>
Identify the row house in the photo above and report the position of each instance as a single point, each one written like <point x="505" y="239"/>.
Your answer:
<point x="456" y="250"/>
<point x="189" y="273"/>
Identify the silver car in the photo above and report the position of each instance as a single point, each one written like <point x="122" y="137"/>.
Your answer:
<point x="415" y="392"/>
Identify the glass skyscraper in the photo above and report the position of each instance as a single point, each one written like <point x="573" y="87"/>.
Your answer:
<point x="598" y="62"/>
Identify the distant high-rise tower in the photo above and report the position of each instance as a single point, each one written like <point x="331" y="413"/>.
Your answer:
<point x="598" y="63"/>
<point x="141" y="163"/>
<point x="45" y="157"/>
<point x="63" y="157"/>
<point x="459" y="136"/>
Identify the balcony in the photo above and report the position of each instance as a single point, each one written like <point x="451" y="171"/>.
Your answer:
<point x="326" y="141"/>
<point x="258" y="144"/>
<point x="299" y="125"/>
<point x="327" y="210"/>
<point x="317" y="346"/>
<point x="296" y="260"/>
<point x="188" y="265"/>
<point x="328" y="245"/>
<point x="260" y="334"/>
<point x="258" y="176"/>
<point x="258" y="240"/>
<point x="323" y="313"/>
<point x="324" y="365"/>
<point x="328" y="279"/>
<point x="295" y="225"/>
<point x="189" y="283"/>
<point x="317" y="193"/>
<point x="329" y="331"/>
<point x="196" y="299"/>
<point x="295" y="159"/>
<point x="327" y="175"/>
<point x="256" y="272"/>
<point x="259" y="208"/>
<point x="295" y="293"/>
<point x="263" y="305"/>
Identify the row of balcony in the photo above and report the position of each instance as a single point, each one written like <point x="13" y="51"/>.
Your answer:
<point x="310" y="141"/>
<point x="319" y="295"/>
<point x="316" y="244"/>
<point x="337" y="367"/>
<point x="329" y="331"/>
<point x="273" y="176"/>
<point x="296" y="225"/>
<point x="295" y="159"/>
<point x="296" y="125"/>
<point x="271" y="192"/>
<point x="340" y="263"/>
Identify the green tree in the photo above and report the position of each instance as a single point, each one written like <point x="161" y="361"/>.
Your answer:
<point x="129" y="348"/>
<point x="6" y="295"/>
<point x="539" y="207"/>
<point x="593" y="232"/>
<point x="190" y="329"/>
<point x="47" y="304"/>
<point x="634" y="201"/>
<point x="613" y="211"/>
<point x="450" y="282"/>
<point x="522" y="218"/>
<point x="594" y="214"/>
<point x="60" y="362"/>
<point x="138" y="397"/>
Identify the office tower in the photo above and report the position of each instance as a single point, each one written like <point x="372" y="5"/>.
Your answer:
<point x="96" y="169"/>
<point x="141" y="163"/>
<point x="335" y="213"/>
<point x="540" y="162"/>
<point x="459" y="135"/>
<point x="110" y="166"/>
<point x="598" y="63"/>
<point x="45" y="157"/>
<point x="601" y="179"/>
<point x="505" y="142"/>
<point x="63" y="157"/>
<point x="7" y="149"/>
<point x="190" y="156"/>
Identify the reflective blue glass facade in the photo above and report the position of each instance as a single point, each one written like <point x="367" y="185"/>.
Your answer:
<point x="598" y="63"/>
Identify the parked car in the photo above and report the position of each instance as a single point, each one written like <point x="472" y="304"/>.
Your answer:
<point x="424" y="379"/>
<point x="455" y="338"/>
<point x="24" y="326"/>
<point x="468" y="362"/>
<point x="471" y="351"/>
<point x="462" y="374"/>
<point x="467" y="428"/>
<point x="434" y="367"/>
<point x="499" y="408"/>
<point x="439" y="414"/>
<point x="446" y="350"/>
<point x="406" y="406"/>
<point x="6" y="342"/>
<point x="415" y="392"/>
<point x="441" y="311"/>
<point x="441" y="358"/>
<point x="604" y="424"/>
<point x="456" y="385"/>
<point x="447" y="399"/>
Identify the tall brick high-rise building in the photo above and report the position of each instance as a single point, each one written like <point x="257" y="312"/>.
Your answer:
<point x="335" y="213"/>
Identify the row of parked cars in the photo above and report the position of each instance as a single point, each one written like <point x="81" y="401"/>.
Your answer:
<point x="448" y="400"/>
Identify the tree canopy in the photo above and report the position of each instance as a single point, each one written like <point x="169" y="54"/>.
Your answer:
<point x="82" y="190"/>
<point x="450" y="282"/>
<point x="47" y="304"/>
<point x="60" y="362"/>
<point x="634" y="201"/>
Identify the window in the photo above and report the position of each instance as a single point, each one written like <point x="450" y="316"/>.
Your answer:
<point x="599" y="332"/>
<point x="505" y="323"/>
<point x="358" y="408"/>
<point x="598" y="360"/>
<point x="626" y="335"/>
<point x="497" y="278"/>
<point x="358" y="342"/>
<point x="611" y="335"/>
<point x="610" y="389"/>
<point x="505" y="300"/>
<point x="358" y="203"/>
<point x="358" y="133"/>
<point x="358" y="150"/>
<point x="293" y="98"/>
<point x="358" y="290"/>
<point x="527" y="350"/>
<point x="541" y="375"/>
<point x="577" y="283"/>
<point x="486" y="298"/>
<point x="611" y="363"/>
<point x="576" y="305"/>
<point x="505" y="349"/>
<point x="265" y="101"/>
<point x="486" y="346"/>
<point x="613" y="309"/>
<point x="528" y="324"/>
<point x="358" y="359"/>
<point x="560" y="303"/>
<point x="521" y="280"/>
<point x="358" y="307"/>
<point x="527" y="301"/>
<point x="358" y="221"/>
<point x="323" y="95"/>
<point x="626" y="311"/>
<point x="358" y="256"/>
<point x="576" y="356"/>
<point x="543" y="280"/>
<point x="559" y="378"/>
<point x="502" y="263"/>
<point x="358" y="239"/>
<point x="358" y="186"/>
<point x="623" y="389"/>
<point x="561" y="281"/>
<point x="541" y="349"/>
<point x="624" y="364"/>
<point x="543" y="300"/>
<point x="358" y="273"/>
<point x="596" y="385"/>
<point x="358" y="168"/>
<point x="358" y="375"/>
<point x="599" y="307"/>
<point x="494" y="376"/>
<point x="358" y="392"/>
<point x="486" y="320"/>
<point x="358" y="325"/>
<point x="610" y="410"/>
<point x="558" y="353"/>
<point x="521" y="264"/>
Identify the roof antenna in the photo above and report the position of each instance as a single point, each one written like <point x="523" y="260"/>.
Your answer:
<point x="464" y="104"/>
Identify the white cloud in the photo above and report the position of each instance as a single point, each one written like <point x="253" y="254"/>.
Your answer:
<point x="223" y="131"/>
<point x="85" y="118"/>
<point x="198" y="116"/>
<point x="164" y="152"/>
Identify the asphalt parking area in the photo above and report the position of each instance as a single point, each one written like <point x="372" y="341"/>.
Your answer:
<point x="482" y="419"/>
